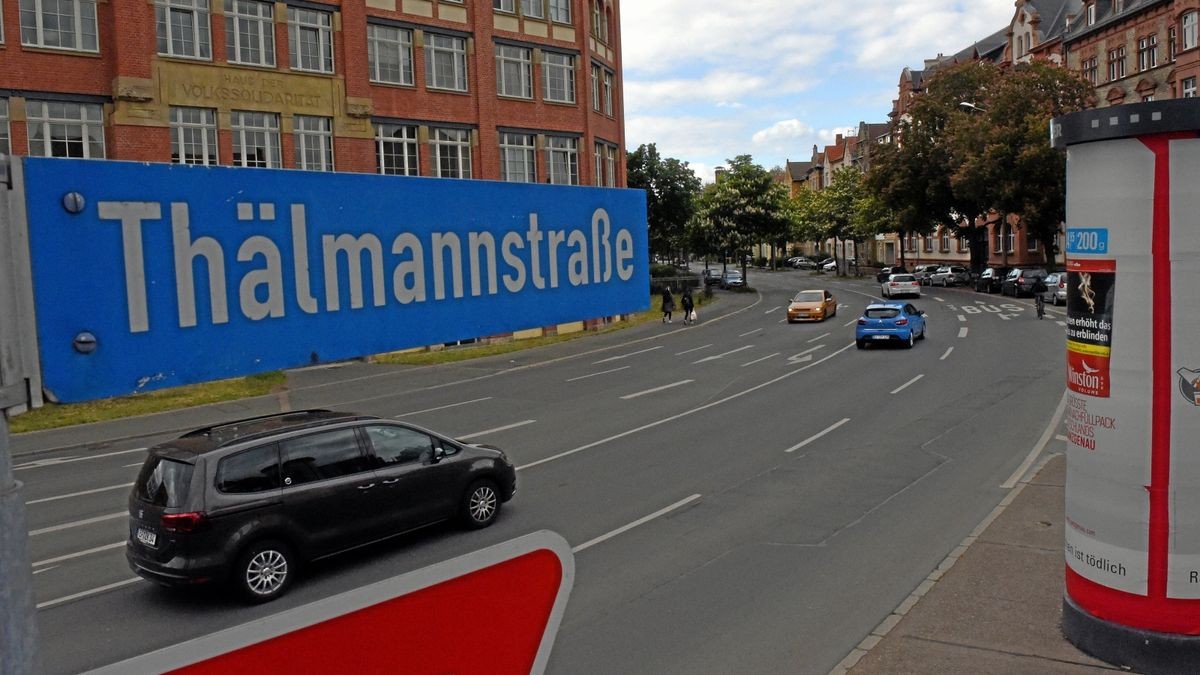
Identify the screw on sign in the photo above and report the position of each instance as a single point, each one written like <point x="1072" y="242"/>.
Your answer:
<point x="515" y="592"/>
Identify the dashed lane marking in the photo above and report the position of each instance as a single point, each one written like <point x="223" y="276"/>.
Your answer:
<point x="750" y="332"/>
<point x="948" y="350"/>
<point x="657" y="389"/>
<point x="694" y="349"/>
<point x="962" y="332"/>
<point x="485" y="432"/>
<point x="904" y="386"/>
<point x="818" y="435"/>
<point x="603" y="372"/>
<point x="760" y="360"/>
<point x="718" y="356"/>
<point x="961" y="317"/>
<point x="819" y="337"/>
<point x="625" y="356"/>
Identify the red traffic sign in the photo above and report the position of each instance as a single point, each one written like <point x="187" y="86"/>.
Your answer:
<point x="496" y="610"/>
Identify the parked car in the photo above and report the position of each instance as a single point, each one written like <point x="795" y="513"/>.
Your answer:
<point x="923" y="272"/>
<point x="248" y="501"/>
<point x="900" y="284"/>
<point x="889" y="271"/>
<point x="991" y="279"/>
<point x="804" y="264"/>
<point x="950" y="275"/>
<point x="1056" y="289"/>
<point x="816" y="305"/>
<point x="731" y="279"/>
<point x="884" y="322"/>
<point x="711" y="276"/>
<point x="1019" y="281"/>
<point x="830" y="266"/>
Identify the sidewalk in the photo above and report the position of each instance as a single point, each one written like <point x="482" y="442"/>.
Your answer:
<point x="995" y="607"/>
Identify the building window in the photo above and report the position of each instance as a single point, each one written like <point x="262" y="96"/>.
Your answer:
<point x="963" y="244"/>
<point x="183" y="28"/>
<point x="314" y="143"/>
<point x="1189" y="30"/>
<point x="58" y="129"/>
<point x="564" y="160"/>
<point x="250" y="32"/>
<point x="1119" y="5"/>
<point x="518" y="162"/>
<point x="514" y="71"/>
<point x="608" y="93"/>
<point x="1090" y="69"/>
<point x="59" y="24"/>
<point x="558" y="77"/>
<point x="560" y="11"/>
<point x="1091" y="13"/>
<point x="533" y="9"/>
<point x="396" y="150"/>
<point x="255" y="139"/>
<point x="1147" y="52"/>
<point x="1116" y="63"/>
<point x="598" y="161"/>
<point x="193" y="136"/>
<point x="1171" y="44"/>
<point x="4" y="133"/>
<point x="310" y="40"/>
<point x="928" y="243"/>
<point x="1031" y="244"/>
<point x="945" y="247"/>
<point x="610" y="166"/>
<point x="599" y="21"/>
<point x="595" y="87"/>
<point x="999" y="242"/>
<point x="1012" y="240"/>
<point x="390" y="54"/>
<point x="452" y="152"/>
<point x="504" y="5"/>
<point x="1189" y="87"/>
<point x="445" y="62"/>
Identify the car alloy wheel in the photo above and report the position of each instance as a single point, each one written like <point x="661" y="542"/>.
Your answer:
<point x="481" y="504"/>
<point x="911" y="340"/>
<point x="264" y="571"/>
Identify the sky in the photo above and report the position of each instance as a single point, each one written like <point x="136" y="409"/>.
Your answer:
<point x="707" y="81"/>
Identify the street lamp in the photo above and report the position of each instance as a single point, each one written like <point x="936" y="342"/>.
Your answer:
<point x="971" y="107"/>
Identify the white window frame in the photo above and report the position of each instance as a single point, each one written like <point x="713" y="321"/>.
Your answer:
<point x="560" y="11"/>
<point x="1188" y="24"/>
<point x="1189" y="87"/>
<point x="260" y="29"/>
<point x="451" y="152"/>
<point x="165" y="29"/>
<point x="598" y="164"/>
<point x="85" y="31"/>
<point x="439" y="47"/>
<point x="399" y="41"/>
<point x="1091" y="13"/>
<point x="5" y="131"/>
<point x="207" y="130"/>
<point x="596" y="87"/>
<point x="1012" y="240"/>
<point x="944" y="244"/>
<point x="610" y="166"/>
<point x="522" y="58"/>
<point x="562" y="154"/>
<point x="534" y="9"/>
<point x="518" y="157"/>
<point x="38" y="116"/>
<point x="509" y="6"/>
<point x="313" y="137"/>
<point x="386" y="142"/>
<point x="304" y="22"/>
<point x="1171" y="44"/>
<point x="609" y="78"/>
<point x="552" y="66"/>
<point x="246" y="125"/>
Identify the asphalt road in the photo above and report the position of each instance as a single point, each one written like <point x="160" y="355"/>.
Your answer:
<point x="802" y="488"/>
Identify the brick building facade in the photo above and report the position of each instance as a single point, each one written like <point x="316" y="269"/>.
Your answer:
<point x="521" y="90"/>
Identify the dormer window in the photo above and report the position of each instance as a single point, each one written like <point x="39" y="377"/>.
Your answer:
<point x="1091" y="14"/>
<point x="1119" y="5"/>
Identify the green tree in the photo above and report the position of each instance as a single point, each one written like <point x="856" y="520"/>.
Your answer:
<point x="836" y="207"/>
<point x="745" y="207"/>
<point x="671" y="190"/>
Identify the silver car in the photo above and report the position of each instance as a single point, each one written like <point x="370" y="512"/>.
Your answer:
<point x="1056" y="289"/>
<point x="950" y="275"/>
<point x="900" y="284"/>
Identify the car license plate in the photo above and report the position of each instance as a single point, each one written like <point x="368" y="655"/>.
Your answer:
<point x="880" y="337"/>
<point x="146" y="536"/>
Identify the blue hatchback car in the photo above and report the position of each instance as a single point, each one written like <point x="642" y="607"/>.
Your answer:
<point x="885" y="322"/>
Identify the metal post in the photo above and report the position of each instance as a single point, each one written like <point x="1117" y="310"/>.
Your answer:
<point x="17" y="633"/>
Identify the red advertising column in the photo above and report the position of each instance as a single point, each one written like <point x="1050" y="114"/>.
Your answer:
<point x="1133" y="377"/>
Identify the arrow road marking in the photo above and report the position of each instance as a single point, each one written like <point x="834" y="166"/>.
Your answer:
<point x="732" y="351"/>
<point x="904" y="386"/>
<point x="657" y="389"/>
<point x="810" y="439"/>
<point x="640" y="521"/>
<point x="625" y="356"/>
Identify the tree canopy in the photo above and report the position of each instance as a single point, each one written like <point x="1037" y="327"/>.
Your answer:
<point x="671" y="190"/>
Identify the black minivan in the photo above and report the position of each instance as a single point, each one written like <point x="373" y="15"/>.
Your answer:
<point x="248" y="501"/>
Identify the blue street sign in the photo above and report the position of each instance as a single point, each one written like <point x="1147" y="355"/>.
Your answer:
<point x="1087" y="240"/>
<point x="181" y="274"/>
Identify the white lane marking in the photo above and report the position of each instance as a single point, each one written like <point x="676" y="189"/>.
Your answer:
<point x="751" y="332"/>
<point x="850" y="323"/>
<point x="78" y="523"/>
<point x="781" y="321"/>
<point x="760" y="360"/>
<point x="78" y="494"/>
<point x="640" y="521"/>
<point x="37" y="464"/>
<point x="625" y="356"/>
<point x="819" y="337"/>
<point x="603" y="372"/>
<point x="689" y="351"/>
<point x="1060" y="437"/>
<point x="843" y="306"/>
<point x="771" y="310"/>
<point x="1041" y="445"/>
<point x="962" y="332"/>
<point x="814" y="437"/>
<point x="45" y="569"/>
<point x="904" y="386"/>
<point x="1061" y="323"/>
<point x="961" y="317"/>
<point x="948" y="350"/>
<point x="677" y="416"/>
<point x="87" y="593"/>
<point x="657" y="389"/>
<point x="443" y="407"/>
<point x="732" y="351"/>
<point x="79" y="554"/>
<point x="808" y="351"/>
<point x="938" y="299"/>
<point x="506" y="427"/>
<point x="127" y="466"/>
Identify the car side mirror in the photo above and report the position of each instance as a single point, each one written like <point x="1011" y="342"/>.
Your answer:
<point x="438" y="454"/>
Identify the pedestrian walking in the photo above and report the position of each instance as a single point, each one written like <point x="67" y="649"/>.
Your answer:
<point x="668" y="304"/>
<point x="688" y="304"/>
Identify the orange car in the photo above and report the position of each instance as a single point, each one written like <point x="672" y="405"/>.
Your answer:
<point x="812" y="306"/>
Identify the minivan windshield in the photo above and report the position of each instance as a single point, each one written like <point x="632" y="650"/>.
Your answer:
<point x="164" y="482"/>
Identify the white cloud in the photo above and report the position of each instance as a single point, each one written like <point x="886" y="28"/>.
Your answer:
<point x="785" y="130"/>
<point x="713" y="88"/>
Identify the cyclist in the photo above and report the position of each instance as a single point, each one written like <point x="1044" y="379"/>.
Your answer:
<point x="1039" y="289"/>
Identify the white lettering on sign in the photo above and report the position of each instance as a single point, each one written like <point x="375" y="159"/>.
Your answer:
<point x="261" y="290"/>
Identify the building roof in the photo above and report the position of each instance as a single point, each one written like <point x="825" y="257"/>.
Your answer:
<point x="1106" y="15"/>
<point x="1054" y="15"/>
<point x="876" y="130"/>
<point x="798" y="170"/>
